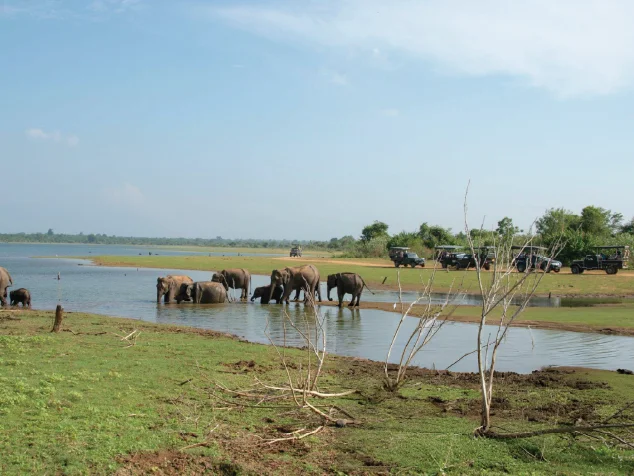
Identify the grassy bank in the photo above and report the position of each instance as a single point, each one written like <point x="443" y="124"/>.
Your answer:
<point x="607" y="319"/>
<point x="82" y="402"/>
<point x="375" y="272"/>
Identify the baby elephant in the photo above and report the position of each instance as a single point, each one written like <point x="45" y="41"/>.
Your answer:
<point x="21" y="295"/>
<point x="263" y="292"/>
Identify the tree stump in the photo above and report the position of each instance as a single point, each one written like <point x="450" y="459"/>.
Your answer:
<point x="59" y="317"/>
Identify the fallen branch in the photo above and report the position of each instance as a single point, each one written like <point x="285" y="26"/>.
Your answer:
<point x="294" y="436"/>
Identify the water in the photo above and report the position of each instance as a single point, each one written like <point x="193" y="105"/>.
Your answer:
<point x="128" y="292"/>
<point x="467" y="299"/>
<point x="8" y="250"/>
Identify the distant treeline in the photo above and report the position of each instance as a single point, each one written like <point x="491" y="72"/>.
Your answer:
<point x="102" y="239"/>
<point x="579" y="233"/>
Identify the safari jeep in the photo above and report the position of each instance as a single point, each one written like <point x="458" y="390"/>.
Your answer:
<point x="401" y="256"/>
<point x="607" y="258"/>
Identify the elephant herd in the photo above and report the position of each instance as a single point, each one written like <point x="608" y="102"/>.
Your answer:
<point x="17" y="296"/>
<point x="305" y="278"/>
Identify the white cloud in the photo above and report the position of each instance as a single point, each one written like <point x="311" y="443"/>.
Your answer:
<point x="55" y="136"/>
<point x="391" y="112"/>
<point x="569" y="47"/>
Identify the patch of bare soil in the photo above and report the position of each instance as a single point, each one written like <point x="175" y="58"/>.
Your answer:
<point x="318" y="456"/>
<point x="172" y="463"/>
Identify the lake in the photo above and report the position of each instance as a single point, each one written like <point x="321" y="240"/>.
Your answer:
<point x="131" y="293"/>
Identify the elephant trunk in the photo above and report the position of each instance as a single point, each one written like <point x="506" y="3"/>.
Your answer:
<point x="158" y="295"/>
<point x="329" y="287"/>
<point x="272" y="290"/>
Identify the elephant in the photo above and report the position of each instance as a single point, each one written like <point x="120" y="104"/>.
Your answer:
<point x="347" y="283"/>
<point x="172" y="287"/>
<point x="5" y="282"/>
<point x="300" y="277"/>
<point x="234" y="278"/>
<point x="21" y="295"/>
<point x="263" y="292"/>
<point x="206" y="292"/>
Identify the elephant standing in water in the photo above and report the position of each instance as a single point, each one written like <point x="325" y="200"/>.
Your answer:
<point x="5" y="282"/>
<point x="263" y="292"/>
<point x="206" y="292"/>
<point x="234" y="278"/>
<point x="346" y="283"/>
<point x="22" y="296"/>
<point x="301" y="277"/>
<point x="172" y="287"/>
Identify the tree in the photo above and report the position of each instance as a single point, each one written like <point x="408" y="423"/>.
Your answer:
<point x="378" y="229"/>
<point x="506" y="229"/>
<point x="50" y="232"/>
<point x="628" y="227"/>
<point x="599" y="221"/>
<point x="434" y="235"/>
<point x="555" y="221"/>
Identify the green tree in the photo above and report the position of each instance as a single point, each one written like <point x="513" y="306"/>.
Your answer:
<point x="506" y="229"/>
<point x="50" y="232"/>
<point x="628" y="227"/>
<point x="434" y="235"/>
<point x="378" y="229"/>
<point x="555" y="221"/>
<point x="599" y="221"/>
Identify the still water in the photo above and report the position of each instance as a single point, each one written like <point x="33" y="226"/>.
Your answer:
<point x="131" y="292"/>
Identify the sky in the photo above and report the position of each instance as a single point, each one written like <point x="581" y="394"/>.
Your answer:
<point x="311" y="119"/>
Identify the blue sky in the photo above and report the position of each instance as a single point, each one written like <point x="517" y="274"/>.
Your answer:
<point x="308" y="120"/>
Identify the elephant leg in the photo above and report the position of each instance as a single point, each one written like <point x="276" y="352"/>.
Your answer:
<point x="354" y="298"/>
<point x="297" y="291"/>
<point x="288" y="289"/>
<point x="340" y="295"/>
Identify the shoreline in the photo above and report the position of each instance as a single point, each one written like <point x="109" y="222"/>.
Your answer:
<point x="12" y="314"/>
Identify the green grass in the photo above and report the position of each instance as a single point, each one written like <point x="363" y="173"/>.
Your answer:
<point x="79" y="402"/>
<point x="599" y="317"/>
<point x="561" y="284"/>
